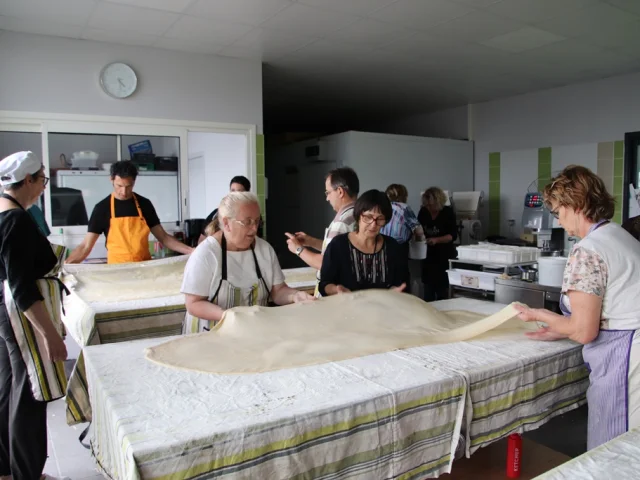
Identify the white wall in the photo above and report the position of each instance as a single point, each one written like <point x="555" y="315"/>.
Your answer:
<point x="225" y="156"/>
<point x="572" y="120"/>
<point x="51" y="74"/>
<point x="450" y="123"/>
<point x="590" y="112"/>
<point x="416" y="162"/>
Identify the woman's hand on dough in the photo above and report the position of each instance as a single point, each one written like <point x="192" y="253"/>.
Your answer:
<point x="526" y="314"/>
<point x="302" y="297"/>
<point x="340" y="289"/>
<point x="399" y="288"/>
<point x="545" y="334"/>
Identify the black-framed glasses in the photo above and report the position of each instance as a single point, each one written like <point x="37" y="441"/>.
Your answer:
<point x="45" y="180"/>
<point x="555" y="213"/>
<point x="369" y="219"/>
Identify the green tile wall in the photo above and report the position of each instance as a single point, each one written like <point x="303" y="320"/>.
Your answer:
<point x="611" y="170"/>
<point x="544" y="167"/>
<point x="494" y="193"/>
<point x="260" y="179"/>
<point x="618" y="179"/>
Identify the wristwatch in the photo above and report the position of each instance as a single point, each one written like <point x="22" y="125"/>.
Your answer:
<point x="299" y="250"/>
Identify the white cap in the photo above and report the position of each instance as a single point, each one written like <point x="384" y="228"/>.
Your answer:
<point x="16" y="167"/>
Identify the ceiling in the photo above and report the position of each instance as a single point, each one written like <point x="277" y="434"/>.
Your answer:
<point x="349" y="59"/>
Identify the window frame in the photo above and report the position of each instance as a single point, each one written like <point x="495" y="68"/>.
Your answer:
<point x="45" y="123"/>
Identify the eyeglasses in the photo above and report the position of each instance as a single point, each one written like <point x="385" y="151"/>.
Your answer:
<point x="327" y="192"/>
<point x="45" y="179"/>
<point x="248" y="223"/>
<point x="555" y="212"/>
<point x="369" y="219"/>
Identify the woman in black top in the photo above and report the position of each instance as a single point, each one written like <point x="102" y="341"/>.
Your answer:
<point x="365" y="259"/>
<point x="25" y="256"/>
<point x="439" y="224"/>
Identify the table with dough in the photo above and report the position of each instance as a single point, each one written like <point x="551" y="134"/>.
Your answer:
<point x="615" y="460"/>
<point x="390" y="415"/>
<point x="118" y="303"/>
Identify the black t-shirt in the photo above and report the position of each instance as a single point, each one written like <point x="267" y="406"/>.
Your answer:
<point x="343" y="264"/>
<point x="25" y="256"/>
<point x="443" y="224"/>
<point x="101" y="215"/>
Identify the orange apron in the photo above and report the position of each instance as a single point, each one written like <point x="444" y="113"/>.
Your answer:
<point x="128" y="239"/>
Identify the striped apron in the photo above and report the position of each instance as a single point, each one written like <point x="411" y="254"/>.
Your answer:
<point x="228" y="296"/>
<point x="607" y="359"/>
<point x="48" y="380"/>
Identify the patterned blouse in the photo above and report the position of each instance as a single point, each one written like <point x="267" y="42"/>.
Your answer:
<point x="369" y="268"/>
<point x="585" y="272"/>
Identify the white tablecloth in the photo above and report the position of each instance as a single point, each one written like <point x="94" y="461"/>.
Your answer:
<point x="393" y="415"/>
<point x="618" y="459"/>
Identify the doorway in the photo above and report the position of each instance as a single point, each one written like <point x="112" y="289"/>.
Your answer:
<point x="631" y="175"/>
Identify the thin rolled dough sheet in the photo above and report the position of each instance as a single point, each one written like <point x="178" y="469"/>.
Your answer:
<point x="130" y="282"/>
<point x="262" y="339"/>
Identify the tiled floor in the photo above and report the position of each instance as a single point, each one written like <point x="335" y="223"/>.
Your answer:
<point x="67" y="458"/>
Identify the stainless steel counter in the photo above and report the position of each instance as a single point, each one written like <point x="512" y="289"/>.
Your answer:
<point x="530" y="293"/>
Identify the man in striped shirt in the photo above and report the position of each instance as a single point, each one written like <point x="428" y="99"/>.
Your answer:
<point x="341" y="189"/>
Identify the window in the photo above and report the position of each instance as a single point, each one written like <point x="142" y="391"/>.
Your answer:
<point x="80" y="173"/>
<point x="78" y="180"/>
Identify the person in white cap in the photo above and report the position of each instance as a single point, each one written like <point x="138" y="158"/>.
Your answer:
<point x="26" y="256"/>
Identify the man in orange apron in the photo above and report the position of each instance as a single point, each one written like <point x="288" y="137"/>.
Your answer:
<point x="126" y="219"/>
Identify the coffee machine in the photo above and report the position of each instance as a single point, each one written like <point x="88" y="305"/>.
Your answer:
<point x="540" y="226"/>
<point x="192" y="230"/>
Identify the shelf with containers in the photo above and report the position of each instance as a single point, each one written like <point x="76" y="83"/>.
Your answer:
<point x="475" y="270"/>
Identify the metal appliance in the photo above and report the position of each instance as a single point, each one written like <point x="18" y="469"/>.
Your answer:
<point x="540" y="226"/>
<point x="533" y="294"/>
<point x="192" y="230"/>
<point x="466" y="206"/>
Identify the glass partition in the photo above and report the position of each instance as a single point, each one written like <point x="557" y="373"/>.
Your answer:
<point x="78" y="166"/>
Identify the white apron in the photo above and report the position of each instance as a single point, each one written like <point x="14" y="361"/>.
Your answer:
<point x="228" y="296"/>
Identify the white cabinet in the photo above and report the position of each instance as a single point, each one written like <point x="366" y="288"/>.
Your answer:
<point x="159" y="187"/>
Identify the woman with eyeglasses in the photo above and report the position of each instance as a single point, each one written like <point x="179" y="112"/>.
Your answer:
<point x="599" y="301"/>
<point x="31" y="346"/>
<point x="439" y="224"/>
<point x="365" y="258"/>
<point x="233" y="267"/>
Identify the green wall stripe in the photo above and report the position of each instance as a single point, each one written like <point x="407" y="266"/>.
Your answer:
<point x="544" y="167"/>
<point x="494" y="193"/>
<point x="618" y="179"/>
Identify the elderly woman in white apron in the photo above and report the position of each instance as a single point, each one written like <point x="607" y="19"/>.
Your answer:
<point x="600" y="301"/>
<point x="31" y="346"/>
<point x="233" y="267"/>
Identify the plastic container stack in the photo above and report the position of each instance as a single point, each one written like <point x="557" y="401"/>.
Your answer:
<point x="498" y="254"/>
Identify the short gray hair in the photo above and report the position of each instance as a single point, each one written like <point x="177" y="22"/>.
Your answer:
<point x="231" y="202"/>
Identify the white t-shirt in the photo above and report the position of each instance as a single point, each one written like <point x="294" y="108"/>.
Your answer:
<point x="203" y="271"/>
<point x="606" y="263"/>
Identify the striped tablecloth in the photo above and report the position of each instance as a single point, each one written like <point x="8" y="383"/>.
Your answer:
<point x="393" y="415"/>
<point x="618" y="459"/>
<point x="514" y="384"/>
<point x="97" y="315"/>
<point x="371" y="417"/>
<point x="94" y="318"/>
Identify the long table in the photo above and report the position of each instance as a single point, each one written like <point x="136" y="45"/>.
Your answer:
<point x="617" y="459"/>
<point x="393" y="415"/>
<point x="118" y="303"/>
